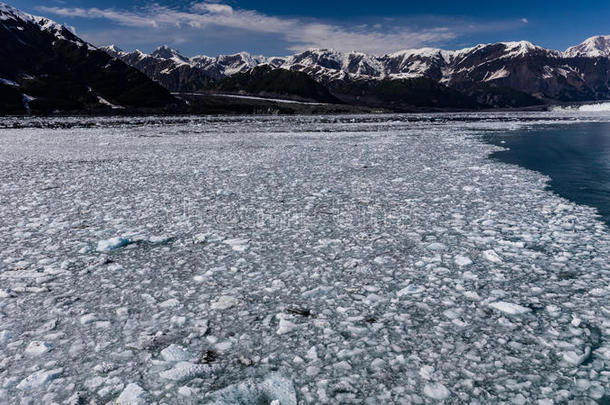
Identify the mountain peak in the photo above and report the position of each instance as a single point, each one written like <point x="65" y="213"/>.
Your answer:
<point x="166" y="52"/>
<point x="113" y="51"/>
<point x="594" y="47"/>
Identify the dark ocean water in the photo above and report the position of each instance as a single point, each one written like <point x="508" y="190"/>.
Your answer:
<point x="576" y="158"/>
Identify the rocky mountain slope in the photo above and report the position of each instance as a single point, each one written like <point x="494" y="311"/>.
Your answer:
<point x="45" y="68"/>
<point x="507" y="74"/>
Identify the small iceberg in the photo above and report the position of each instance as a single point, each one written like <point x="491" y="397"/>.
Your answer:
<point x="113" y="243"/>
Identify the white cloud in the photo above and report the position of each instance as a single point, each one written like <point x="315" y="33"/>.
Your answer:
<point x="214" y="8"/>
<point x="209" y="16"/>
<point x="525" y="21"/>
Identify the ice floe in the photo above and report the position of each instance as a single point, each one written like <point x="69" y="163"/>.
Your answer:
<point x="357" y="259"/>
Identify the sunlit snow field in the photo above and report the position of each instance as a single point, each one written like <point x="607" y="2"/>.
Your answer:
<point x="356" y="259"/>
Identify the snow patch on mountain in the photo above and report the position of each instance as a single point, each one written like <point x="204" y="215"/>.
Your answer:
<point x="8" y="13"/>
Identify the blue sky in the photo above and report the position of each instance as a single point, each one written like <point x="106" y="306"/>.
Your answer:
<point x="283" y="27"/>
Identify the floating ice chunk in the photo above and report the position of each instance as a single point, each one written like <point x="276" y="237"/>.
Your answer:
<point x="111" y="244"/>
<point x="185" y="370"/>
<point x="509" y="308"/>
<point x="274" y="388"/>
<point x="553" y="310"/>
<point x="576" y="359"/>
<point x="224" y="302"/>
<point x="492" y="256"/>
<point x="468" y="275"/>
<point x="286" y="326"/>
<point x="178" y="320"/>
<point x="185" y="391"/>
<point x="312" y="353"/>
<point x="159" y="240"/>
<point x="437" y="246"/>
<point x="378" y="364"/>
<point x="176" y="353"/>
<point x="436" y="391"/>
<point x="472" y="295"/>
<point x="223" y="346"/>
<point x="94" y="383"/>
<point x="237" y="244"/>
<point x="317" y="292"/>
<point x="412" y="289"/>
<point x="7" y="293"/>
<point x="426" y="372"/>
<point x="38" y="348"/>
<point x="312" y="371"/>
<point x="462" y="261"/>
<point x="170" y="303"/>
<point x="88" y="318"/>
<point x="133" y="394"/>
<point x="5" y="336"/>
<point x="39" y="378"/>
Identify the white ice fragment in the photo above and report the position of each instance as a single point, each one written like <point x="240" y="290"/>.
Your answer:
<point x="437" y="246"/>
<point x="133" y="394"/>
<point x="286" y="326"/>
<point x="94" y="383"/>
<point x="185" y="370"/>
<point x="178" y="320"/>
<point x="122" y="312"/>
<point x="412" y="289"/>
<point x="176" y="353"/>
<point x="224" y="302"/>
<point x="5" y="336"/>
<point x="237" y="244"/>
<point x="426" y="372"/>
<point x="436" y="391"/>
<point x="468" y="275"/>
<point x="113" y="243"/>
<point x="39" y="378"/>
<point x="492" y="256"/>
<point x="378" y="364"/>
<point x="185" y="391"/>
<point x="312" y="354"/>
<point x="88" y="318"/>
<point x="223" y="346"/>
<point x="462" y="261"/>
<point x="472" y="295"/>
<point x="576" y="359"/>
<point x="6" y="293"/>
<point x="312" y="371"/>
<point x="170" y="303"/>
<point x="509" y="308"/>
<point x="37" y="348"/>
<point x="159" y="239"/>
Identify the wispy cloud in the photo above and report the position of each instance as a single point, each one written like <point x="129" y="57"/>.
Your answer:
<point x="299" y="34"/>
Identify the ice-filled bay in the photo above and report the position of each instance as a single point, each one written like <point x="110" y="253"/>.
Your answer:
<point x="373" y="259"/>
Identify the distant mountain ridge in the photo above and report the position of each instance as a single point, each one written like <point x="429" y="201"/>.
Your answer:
<point x="496" y="75"/>
<point x="45" y="68"/>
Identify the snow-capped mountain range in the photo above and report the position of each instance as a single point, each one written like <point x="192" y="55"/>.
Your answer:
<point x="580" y="73"/>
<point x="331" y="65"/>
<point x="44" y="66"/>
